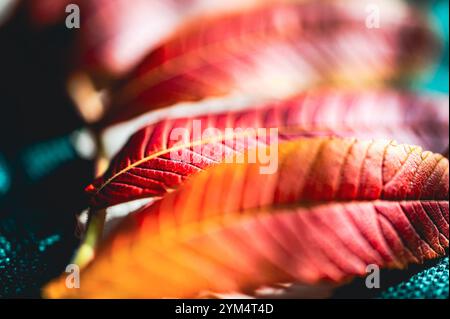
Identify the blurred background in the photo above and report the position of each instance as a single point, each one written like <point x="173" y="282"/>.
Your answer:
<point x="43" y="171"/>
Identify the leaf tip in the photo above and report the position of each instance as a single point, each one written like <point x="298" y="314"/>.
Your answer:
<point x="90" y="189"/>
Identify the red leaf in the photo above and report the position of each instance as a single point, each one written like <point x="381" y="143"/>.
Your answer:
<point x="144" y="167"/>
<point x="117" y="43"/>
<point x="274" y="52"/>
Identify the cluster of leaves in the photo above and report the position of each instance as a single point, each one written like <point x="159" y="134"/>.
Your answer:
<point x="345" y="194"/>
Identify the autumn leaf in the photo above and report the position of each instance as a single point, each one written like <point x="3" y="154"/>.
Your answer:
<point x="274" y="52"/>
<point x="130" y="32"/>
<point x="145" y="167"/>
<point x="333" y="207"/>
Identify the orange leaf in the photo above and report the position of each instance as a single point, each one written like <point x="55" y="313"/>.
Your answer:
<point x="333" y="207"/>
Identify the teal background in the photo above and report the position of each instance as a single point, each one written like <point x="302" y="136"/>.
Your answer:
<point x="438" y="79"/>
